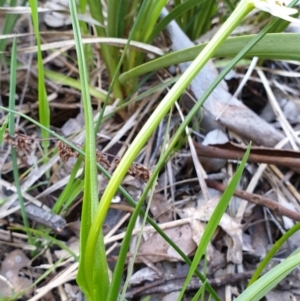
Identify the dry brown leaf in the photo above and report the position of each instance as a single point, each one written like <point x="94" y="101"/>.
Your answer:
<point x="72" y="244"/>
<point x="258" y="232"/>
<point x="227" y="223"/>
<point x="215" y="257"/>
<point x="156" y="249"/>
<point x="12" y="264"/>
<point x="160" y="209"/>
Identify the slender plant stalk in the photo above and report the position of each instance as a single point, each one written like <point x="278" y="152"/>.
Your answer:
<point x="154" y="120"/>
<point x="272" y="252"/>
<point x="214" y="222"/>
<point x="108" y="52"/>
<point x="260" y="288"/>
<point x="93" y="281"/>
<point x="118" y="271"/>
<point x="9" y="23"/>
<point x="11" y="127"/>
<point x="175" y="13"/>
<point x="44" y="111"/>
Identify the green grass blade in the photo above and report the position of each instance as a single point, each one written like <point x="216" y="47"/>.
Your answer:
<point x="268" y="281"/>
<point x="3" y="128"/>
<point x="153" y="17"/>
<point x="200" y="22"/>
<point x="70" y="192"/>
<point x="12" y="99"/>
<point x="214" y="221"/>
<point x="72" y="82"/>
<point x="92" y="279"/>
<point x="122" y="60"/>
<point x="44" y="111"/>
<point x="42" y="234"/>
<point x="232" y="46"/>
<point x="109" y="53"/>
<point x="175" y="13"/>
<point x="9" y="23"/>
<point x="199" y="292"/>
<point x="272" y="252"/>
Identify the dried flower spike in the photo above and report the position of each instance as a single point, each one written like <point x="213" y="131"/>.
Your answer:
<point x="19" y="142"/>
<point x="137" y="170"/>
<point x="102" y="160"/>
<point x="65" y="152"/>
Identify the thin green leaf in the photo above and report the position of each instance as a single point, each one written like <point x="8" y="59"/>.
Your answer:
<point x="92" y="278"/>
<point x="72" y="82"/>
<point x="214" y="221"/>
<point x="12" y="99"/>
<point x="8" y="25"/>
<point x="268" y="281"/>
<point x="3" y="128"/>
<point x="272" y="252"/>
<point x="109" y="53"/>
<point x="151" y="124"/>
<point x="117" y="276"/>
<point x="232" y="46"/>
<point x="175" y="13"/>
<point x="44" y="110"/>
<point x="164" y="106"/>
<point x="200" y="291"/>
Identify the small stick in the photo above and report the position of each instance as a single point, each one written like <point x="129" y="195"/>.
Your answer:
<point x="258" y="200"/>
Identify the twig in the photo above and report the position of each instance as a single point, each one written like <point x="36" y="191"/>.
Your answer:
<point x="258" y="200"/>
<point x="175" y="284"/>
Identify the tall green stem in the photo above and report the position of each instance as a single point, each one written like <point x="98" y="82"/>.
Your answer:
<point x="241" y="11"/>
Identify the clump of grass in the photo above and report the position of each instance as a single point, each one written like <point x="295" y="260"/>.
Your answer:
<point x="137" y="20"/>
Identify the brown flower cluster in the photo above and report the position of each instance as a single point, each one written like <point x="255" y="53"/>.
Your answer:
<point x="25" y="143"/>
<point x="19" y="142"/>
<point x="136" y="170"/>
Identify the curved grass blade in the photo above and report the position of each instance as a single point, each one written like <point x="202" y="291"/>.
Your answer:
<point x="214" y="221"/>
<point x="180" y="131"/>
<point x="3" y="128"/>
<point x="268" y="281"/>
<point x="272" y="252"/>
<point x="175" y="13"/>
<point x="8" y="25"/>
<point x="44" y="111"/>
<point x="11" y="129"/>
<point x="46" y="236"/>
<point x="93" y="279"/>
<point x="264" y="49"/>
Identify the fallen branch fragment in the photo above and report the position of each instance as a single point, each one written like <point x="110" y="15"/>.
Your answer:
<point x="175" y="284"/>
<point x="258" y="200"/>
<point x="233" y="151"/>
